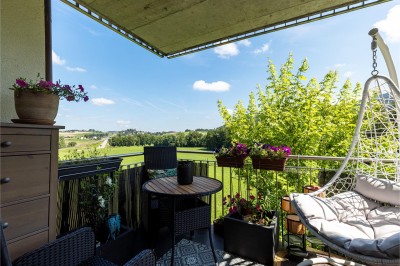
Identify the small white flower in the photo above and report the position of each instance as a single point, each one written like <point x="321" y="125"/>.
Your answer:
<point x="102" y="202"/>
<point x="108" y="181"/>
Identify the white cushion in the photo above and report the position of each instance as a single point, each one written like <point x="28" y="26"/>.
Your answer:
<point x="378" y="189"/>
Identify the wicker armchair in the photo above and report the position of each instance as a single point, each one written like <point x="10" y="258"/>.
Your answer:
<point x="76" y="248"/>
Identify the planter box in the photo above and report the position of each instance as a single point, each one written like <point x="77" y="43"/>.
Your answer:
<point x="91" y="167"/>
<point x="268" y="164"/>
<point x="252" y="241"/>
<point x="236" y="162"/>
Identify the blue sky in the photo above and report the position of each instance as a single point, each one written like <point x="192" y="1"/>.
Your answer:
<point x="130" y="87"/>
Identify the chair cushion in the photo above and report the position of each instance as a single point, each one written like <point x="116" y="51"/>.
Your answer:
<point x="161" y="173"/>
<point x="378" y="189"/>
<point x="353" y="222"/>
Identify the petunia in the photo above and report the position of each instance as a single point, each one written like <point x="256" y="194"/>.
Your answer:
<point x="81" y="88"/>
<point x="21" y="83"/>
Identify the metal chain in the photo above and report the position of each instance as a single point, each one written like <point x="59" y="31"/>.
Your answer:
<point x="374" y="63"/>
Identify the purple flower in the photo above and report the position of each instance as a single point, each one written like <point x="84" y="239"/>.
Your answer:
<point x="81" y="88"/>
<point x="70" y="98"/>
<point x="21" y="83"/>
<point x="86" y="98"/>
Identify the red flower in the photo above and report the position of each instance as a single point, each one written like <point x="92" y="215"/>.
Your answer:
<point x="252" y="197"/>
<point x="237" y="195"/>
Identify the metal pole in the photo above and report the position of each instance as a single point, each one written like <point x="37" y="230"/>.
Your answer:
<point x="386" y="55"/>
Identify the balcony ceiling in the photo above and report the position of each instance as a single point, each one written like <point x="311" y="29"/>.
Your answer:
<point x="176" y="27"/>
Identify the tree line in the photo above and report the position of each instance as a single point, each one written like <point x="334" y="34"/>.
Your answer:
<point x="210" y="140"/>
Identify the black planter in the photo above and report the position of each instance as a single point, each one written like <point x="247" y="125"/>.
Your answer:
<point x="90" y="167"/>
<point x="252" y="241"/>
<point x="185" y="172"/>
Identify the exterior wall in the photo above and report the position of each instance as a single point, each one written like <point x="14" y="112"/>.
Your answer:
<point x="22" y="47"/>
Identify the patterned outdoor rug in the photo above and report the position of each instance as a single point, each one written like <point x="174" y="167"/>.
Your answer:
<point x="195" y="254"/>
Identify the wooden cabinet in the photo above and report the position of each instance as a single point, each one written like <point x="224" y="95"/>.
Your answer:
<point x="28" y="189"/>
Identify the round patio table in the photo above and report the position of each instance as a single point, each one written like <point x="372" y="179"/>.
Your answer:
<point x="187" y="215"/>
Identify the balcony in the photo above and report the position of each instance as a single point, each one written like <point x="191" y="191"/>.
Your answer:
<point x="128" y="202"/>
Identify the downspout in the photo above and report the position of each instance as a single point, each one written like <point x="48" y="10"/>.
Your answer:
<point x="48" y="42"/>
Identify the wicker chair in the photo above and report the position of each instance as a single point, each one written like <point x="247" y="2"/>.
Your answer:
<point x="360" y="216"/>
<point x="75" y="248"/>
<point x="156" y="158"/>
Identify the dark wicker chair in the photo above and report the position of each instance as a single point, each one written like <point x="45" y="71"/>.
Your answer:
<point x="75" y="248"/>
<point x="156" y="158"/>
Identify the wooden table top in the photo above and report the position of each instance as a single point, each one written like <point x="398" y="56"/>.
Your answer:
<point x="168" y="186"/>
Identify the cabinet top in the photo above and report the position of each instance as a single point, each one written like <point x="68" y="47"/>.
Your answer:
<point x="16" y="125"/>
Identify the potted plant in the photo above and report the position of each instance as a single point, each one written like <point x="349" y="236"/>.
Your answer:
<point x="95" y="199"/>
<point x="251" y="228"/>
<point x="268" y="157"/>
<point x="36" y="102"/>
<point x="233" y="156"/>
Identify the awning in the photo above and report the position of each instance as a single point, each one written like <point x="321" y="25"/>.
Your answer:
<point x="176" y="27"/>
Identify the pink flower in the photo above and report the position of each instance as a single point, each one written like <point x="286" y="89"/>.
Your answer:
<point x="21" y="83"/>
<point x="258" y="207"/>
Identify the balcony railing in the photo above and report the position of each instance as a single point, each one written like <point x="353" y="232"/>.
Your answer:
<point x="128" y="200"/>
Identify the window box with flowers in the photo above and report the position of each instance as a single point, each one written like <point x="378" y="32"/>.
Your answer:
<point x="268" y="157"/>
<point x="37" y="102"/>
<point x="233" y="156"/>
<point x="251" y="229"/>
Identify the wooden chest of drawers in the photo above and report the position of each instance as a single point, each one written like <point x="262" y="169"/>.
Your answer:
<point x="28" y="190"/>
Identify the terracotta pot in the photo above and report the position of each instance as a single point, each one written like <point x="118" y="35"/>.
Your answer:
<point x="268" y="164"/>
<point x="286" y="205"/>
<point x="36" y="108"/>
<point x="237" y="162"/>
<point x="294" y="226"/>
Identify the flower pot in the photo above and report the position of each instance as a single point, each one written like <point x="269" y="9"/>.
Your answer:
<point x="286" y="205"/>
<point x="310" y="189"/>
<point x="225" y="161"/>
<point x="185" y="172"/>
<point x="218" y="226"/>
<point x="294" y="225"/>
<point x="252" y="241"/>
<point x="268" y="164"/>
<point x="35" y="108"/>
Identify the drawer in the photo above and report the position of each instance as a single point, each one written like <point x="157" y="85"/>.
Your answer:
<point x="25" y="217"/>
<point x="24" y="143"/>
<point x="29" y="176"/>
<point x="19" y="248"/>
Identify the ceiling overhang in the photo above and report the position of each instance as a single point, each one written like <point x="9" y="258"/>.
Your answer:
<point x="173" y="28"/>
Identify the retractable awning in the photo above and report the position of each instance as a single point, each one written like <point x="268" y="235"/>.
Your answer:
<point x="176" y="27"/>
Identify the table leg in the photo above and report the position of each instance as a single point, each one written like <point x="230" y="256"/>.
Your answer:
<point x="173" y="232"/>
<point x="212" y="245"/>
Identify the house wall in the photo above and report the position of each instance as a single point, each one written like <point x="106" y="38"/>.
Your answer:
<point x="22" y="47"/>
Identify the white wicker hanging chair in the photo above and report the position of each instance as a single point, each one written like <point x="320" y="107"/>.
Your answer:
<point x="360" y="216"/>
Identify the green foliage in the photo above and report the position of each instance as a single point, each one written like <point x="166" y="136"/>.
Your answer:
<point x="61" y="143"/>
<point x="95" y="198"/>
<point x="72" y="144"/>
<point x="311" y="117"/>
<point x="76" y="156"/>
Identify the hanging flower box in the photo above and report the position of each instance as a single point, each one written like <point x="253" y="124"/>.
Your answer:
<point x="227" y="161"/>
<point x="268" y="164"/>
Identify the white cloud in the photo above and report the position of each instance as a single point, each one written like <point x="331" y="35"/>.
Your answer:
<point x="102" y="101"/>
<point x="93" y="87"/>
<point x="218" y="86"/>
<point x="244" y="42"/>
<point x="391" y="25"/>
<point x="75" y="69"/>
<point x="56" y="59"/>
<point x="123" y="122"/>
<point x="227" y="50"/>
<point x="348" y="74"/>
<point x="263" y="49"/>
<point x="339" y="65"/>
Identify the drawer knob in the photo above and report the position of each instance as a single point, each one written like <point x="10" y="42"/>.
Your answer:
<point x="5" y="180"/>
<point x="4" y="225"/>
<point x="6" y="143"/>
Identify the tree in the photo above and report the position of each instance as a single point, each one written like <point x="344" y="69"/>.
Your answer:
<point x="216" y="138"/>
